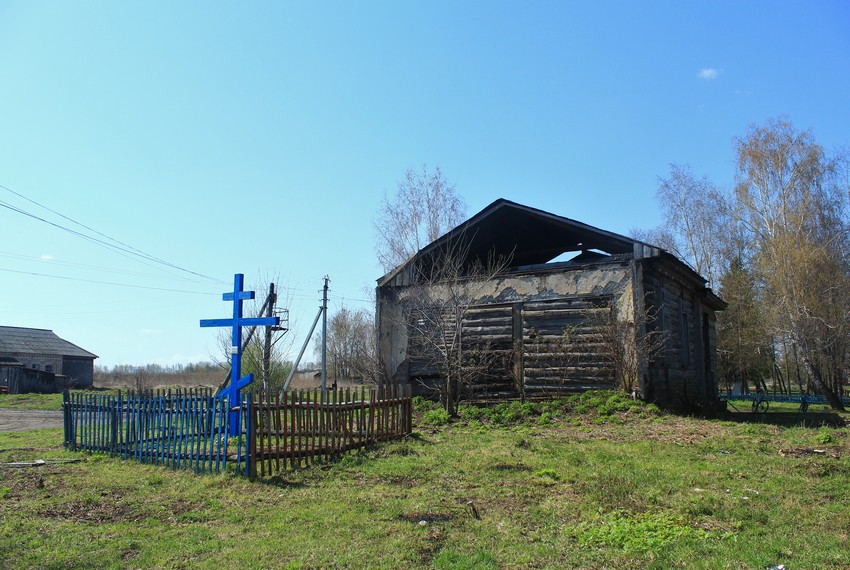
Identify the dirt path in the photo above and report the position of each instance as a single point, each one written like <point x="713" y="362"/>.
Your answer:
<point x="25" y="420"/>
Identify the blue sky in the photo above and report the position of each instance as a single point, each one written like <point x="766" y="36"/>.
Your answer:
<point x="260" y="137"/>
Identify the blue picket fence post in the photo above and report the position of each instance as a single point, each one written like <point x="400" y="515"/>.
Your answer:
<point x="67" y="424"/>
<point x="248" y="412"/>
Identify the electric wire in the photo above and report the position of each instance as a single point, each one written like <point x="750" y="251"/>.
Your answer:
<point x="21" y="257"/>
<point x="126" y="247"/>
<point x="113" y="248"/>
<point x="120" y="247"/>
<point x="108" y="282"/>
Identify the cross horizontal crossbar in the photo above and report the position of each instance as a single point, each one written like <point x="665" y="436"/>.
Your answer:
<point x="246" y="322"/>
<point x="237" y="295"/>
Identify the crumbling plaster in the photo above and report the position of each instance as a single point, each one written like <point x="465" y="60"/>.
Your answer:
<point x="613" y="279"/>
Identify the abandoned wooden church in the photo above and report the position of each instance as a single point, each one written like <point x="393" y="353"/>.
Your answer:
<point x="498" y="308"/>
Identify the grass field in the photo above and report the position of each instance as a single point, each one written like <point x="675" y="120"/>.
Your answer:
<point x="591" y="482"/>
<point x="31" y="401"/>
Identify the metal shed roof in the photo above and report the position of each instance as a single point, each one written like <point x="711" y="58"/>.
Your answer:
<point x="19" y="340"/>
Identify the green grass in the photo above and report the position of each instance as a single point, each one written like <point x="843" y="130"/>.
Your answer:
<point x="44" y="401"/>
<point x="31" y="401"/>
<point x="600" y="482"/>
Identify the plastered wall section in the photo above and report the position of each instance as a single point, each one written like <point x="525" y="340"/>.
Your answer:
<point x="614" y="279"/>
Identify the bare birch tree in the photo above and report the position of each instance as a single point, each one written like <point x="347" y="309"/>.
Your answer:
<point x="791" y="198"/>
<point x="352" y="344"/>
<point x="694" y="212"/>
<point x="424" y="207"/>
<point x="447" y="285"/>
<point x="779" y="249"/>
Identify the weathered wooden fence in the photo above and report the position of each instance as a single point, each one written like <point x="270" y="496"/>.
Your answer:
<point x="189" y="429"/>
<point x="306" y="426"/>
<point x="15" y="379"/>
<point x="180" y="429"/>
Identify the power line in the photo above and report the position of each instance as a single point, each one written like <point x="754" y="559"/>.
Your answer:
<point x="341" y="301"/>
<point x="120" y="247"/>
<point x="96" y="241"/>
<point x="108" y="282"/>
<point x="21" y="257"/>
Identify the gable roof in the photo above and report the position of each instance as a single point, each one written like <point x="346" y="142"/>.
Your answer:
<point x="529" y="236"/>
<point x="21" y="340"/>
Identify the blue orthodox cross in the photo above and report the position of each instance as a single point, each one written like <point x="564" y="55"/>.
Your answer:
<point x="237" y="381"/>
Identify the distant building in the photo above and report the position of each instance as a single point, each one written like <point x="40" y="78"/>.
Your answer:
<point x="37" y="360"/>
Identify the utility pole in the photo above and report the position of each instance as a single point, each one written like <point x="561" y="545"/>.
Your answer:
<point x="325" y="335"/>
<point x="267" y="346"/>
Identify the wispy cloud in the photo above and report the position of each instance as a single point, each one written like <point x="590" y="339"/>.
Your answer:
<point x="149" y="332"/>
<point x="181" y="358"/>
<point x="47" y="257"/>
<point x="709" y="73"/>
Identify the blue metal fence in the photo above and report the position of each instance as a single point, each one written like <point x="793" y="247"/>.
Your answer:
<point x="184" y="429"/>
<point x="791" y="398"/>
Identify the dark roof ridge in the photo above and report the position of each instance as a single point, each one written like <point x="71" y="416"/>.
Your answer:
<point x="24" y="340"/>
<point x="537" y="211"/>
<point x="544" y="221"/>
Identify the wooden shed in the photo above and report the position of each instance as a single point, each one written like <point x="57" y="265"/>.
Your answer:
<point x="519" y="301"/>
<point x="38" y="360"/>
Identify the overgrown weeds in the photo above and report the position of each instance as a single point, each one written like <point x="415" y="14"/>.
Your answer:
<point x="640" y="532"/>
<point x="595" y="407"/>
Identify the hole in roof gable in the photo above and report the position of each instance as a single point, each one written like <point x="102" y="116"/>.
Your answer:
<point x="564" y="257"/>
<point x="583" y="256"/>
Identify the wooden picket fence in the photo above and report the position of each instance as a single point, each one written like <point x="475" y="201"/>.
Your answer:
<point x="307" y="426"/>
<point x="188" y="429"/>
